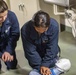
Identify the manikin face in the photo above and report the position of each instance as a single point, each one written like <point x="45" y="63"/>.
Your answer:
<point x="3" y="16"/>
<point x="41" y="29"/>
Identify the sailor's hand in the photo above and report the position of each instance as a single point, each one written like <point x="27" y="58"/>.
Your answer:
<point x="7" y="57"/>
<point x="45" y="70"/>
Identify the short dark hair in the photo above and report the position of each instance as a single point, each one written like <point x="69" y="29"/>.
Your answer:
<point x="41" y="19"/>
<point x="3" y="6"/>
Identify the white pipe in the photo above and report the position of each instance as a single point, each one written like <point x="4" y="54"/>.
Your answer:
<point x="56" y="12"/>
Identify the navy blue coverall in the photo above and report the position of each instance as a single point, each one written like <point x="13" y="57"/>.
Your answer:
<point x="9" y="34"/>
<point x="40" y="50"/>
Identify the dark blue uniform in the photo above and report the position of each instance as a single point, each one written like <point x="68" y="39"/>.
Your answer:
<point x="9" y="34"/>
<point x="40" y="50"/>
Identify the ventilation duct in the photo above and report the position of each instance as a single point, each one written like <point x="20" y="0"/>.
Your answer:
<point x="65" y="3"/>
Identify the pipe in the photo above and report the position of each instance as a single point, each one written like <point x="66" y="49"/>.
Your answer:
<point x="56" y="12"/>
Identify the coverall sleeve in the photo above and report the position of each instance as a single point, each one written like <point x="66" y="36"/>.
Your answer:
<point x="30" y="49"/>
<point x="0" y="54"/>
<point x="14" y="34"/>
<point x="49" y="59"/>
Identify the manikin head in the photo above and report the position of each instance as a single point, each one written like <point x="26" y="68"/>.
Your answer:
<point x="63" y="64"/>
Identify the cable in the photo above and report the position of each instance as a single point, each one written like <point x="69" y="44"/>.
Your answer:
<point x="74" y="29"/>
